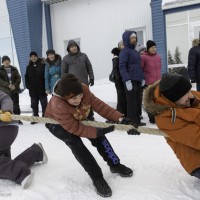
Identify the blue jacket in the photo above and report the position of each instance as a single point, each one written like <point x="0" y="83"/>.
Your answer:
<point x="52" y="73"/>
<point x="130" y="61"/>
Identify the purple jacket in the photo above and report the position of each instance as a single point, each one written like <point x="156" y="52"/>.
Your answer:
<point x="151" y="67"/>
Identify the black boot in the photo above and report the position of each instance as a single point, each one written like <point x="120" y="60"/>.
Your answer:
<point x="122" y="170"/>
<point x="102" y="187"/>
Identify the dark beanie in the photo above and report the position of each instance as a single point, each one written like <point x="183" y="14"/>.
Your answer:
<point x="50" y="51"/>
<point x="150" y="44"/>
<point x="115" y="51"/>
<point x="5" y="58"/>
<point x="69" y="86"/>
<point x="174" y="86"/>
<point x="33" y="53"/>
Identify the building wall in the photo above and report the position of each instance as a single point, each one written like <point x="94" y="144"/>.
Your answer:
<point x="159" y="31"/>
<point x="25" y="17"/>
<point x="7" y="44"/>
<point x="100" y="25"/>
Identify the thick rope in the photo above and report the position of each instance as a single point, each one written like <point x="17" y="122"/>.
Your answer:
<point x="120" y="127"/>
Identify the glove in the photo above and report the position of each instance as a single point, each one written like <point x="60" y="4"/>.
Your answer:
<point x="143" y="83"/>
<point x="127" y="121"/>
<point x="91" y="83"/>
<point x="129" y="85"/>
<point x="102" y="131"/>
<point x="133" y="132"/>
<point x="6" y="117"/>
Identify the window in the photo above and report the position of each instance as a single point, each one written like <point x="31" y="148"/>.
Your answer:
<point x="77" y="40"/>
<point x="181" y="28"/>
<point x="141" y="34"/>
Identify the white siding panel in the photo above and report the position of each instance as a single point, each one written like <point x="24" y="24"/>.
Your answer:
<point x="99" y="24"/>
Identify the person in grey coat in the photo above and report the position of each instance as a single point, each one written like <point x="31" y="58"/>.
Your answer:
<point x="16" y="170"/>
<point x="78" y="64"/>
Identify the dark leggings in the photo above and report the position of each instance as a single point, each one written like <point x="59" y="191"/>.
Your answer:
<point x="82" y="154"/>
<point x="17" y="169"/>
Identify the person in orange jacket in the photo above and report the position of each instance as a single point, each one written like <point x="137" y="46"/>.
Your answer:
<point x="177" y="112"/>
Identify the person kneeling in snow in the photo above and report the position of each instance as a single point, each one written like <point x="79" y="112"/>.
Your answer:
<point x="16" y="170"/>
<point x="177" y="111"/>
<point x="71" y="103"/>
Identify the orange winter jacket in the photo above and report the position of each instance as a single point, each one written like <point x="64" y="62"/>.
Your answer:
<point x="69" y="116"/>
<point x="181" y="124"/>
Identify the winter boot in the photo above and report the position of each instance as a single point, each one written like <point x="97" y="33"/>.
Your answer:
<point x="20" y="122"/>
<point x="102" y="188"/>
<point x="122" y="170"/>
<point x="27" y="181"/>
<point x="45" y="158"/>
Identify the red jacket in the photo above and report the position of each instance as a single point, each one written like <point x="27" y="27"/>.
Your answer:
<point x="151" y="67"/>
<point x="69" y="117"/>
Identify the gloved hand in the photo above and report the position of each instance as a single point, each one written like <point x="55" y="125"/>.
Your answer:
<point x="6" y="117"/>
<point x="102" y="131"/>
<point x="127" y="121"/>
<point x="91" y="83"/>
<point x="133" y="132"/>
<point x="143" y="83"/>
<point x="129" y="85"/>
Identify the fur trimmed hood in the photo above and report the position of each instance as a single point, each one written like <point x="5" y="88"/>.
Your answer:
<point x="152" y="101"/>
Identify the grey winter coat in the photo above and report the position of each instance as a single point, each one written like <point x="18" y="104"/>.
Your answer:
<point x="77" y="64"/>
<point x="6" y="104"/>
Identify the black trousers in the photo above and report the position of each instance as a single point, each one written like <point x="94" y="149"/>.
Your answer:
<point x="35" y="104"/>
<point x="16" y="170"/>
<point x="16" y="107"/>
<point x="82" y="154"/>
<point x="121" y="97"/>
<point x="134" y="102"/>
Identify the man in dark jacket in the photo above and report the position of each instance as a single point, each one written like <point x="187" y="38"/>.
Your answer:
<point x="78" y="64"/>
<point x="194" y="65"/>
<point x="35" y="83"/>
<point x="132" y="76"/>
<point x="10" y="80"/>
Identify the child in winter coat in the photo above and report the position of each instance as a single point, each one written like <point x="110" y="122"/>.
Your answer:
<point x="151" y="67"/>
<point x="71" y="103"/>
<point x="177" y="111"/>
<point x="52" y="70"/>
<point x="16" y="170"/>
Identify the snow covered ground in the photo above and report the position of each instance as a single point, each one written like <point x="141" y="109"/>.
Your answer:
<point x="157" y="173"/>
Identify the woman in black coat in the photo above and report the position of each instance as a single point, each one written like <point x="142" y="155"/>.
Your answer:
<point x="121" y="95"/>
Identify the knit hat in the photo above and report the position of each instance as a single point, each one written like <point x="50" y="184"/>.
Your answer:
<point x="150" y="44"/>
<point x="5" y="58"/>
<point x="115" y="51"/>
<point x="69" y="86"/>
<point x="174" y="86"/>
<point x="120" y="43"/>
<point x="33" y="53"/>
<point x="50" y="51"/>
<point x="133" y="35"/>
<point x="140" y="48"/>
